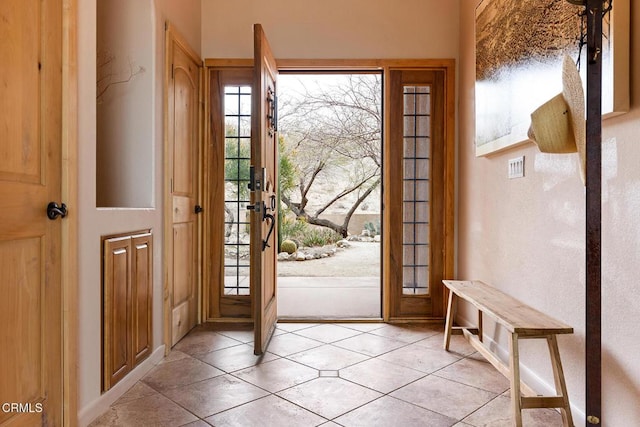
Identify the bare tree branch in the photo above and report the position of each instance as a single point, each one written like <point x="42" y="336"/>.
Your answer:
<point x="332" y="134"/>
<point x="361" y="199"/>
<point x="343" y="194"/>
<point x="314" y="175"/>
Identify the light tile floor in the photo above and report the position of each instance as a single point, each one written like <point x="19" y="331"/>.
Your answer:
<point x="366" y="374"/>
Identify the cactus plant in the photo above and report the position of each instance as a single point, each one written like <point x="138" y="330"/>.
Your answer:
<point x="373" y="228"/>
<point x="288" y="246"/>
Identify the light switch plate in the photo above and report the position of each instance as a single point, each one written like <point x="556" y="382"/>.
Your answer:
<point x="516" y="167"/>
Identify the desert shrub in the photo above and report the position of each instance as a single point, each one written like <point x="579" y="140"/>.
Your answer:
<point x="291" y="229"/>
<point x="302" y="233"/>
<point x="373" y="228"/>
<point x="319" y="237"/>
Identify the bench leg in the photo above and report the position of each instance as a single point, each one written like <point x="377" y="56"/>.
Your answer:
<point x="451" y="312"/>
<point x="558" y="376"/>
<point x="514" y="369"/>
<point x="480" y="333"/>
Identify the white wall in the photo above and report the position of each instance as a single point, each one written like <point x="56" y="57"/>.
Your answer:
<point x="185" y="16"/>
<point x="95" y="222"/>
<point x="527" y="237"/>
<point x="332" y="28"/>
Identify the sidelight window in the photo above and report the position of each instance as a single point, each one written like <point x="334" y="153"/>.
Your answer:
<point x="237" y="159"/>
<point x="416" y="162"/>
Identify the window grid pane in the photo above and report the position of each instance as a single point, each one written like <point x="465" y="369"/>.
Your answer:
<point x="416" y="203"/>
<point x="237" y="158"/>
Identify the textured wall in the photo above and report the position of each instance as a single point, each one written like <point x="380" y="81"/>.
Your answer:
<point x="526" y="236"/>
<point x="125" y="107"/>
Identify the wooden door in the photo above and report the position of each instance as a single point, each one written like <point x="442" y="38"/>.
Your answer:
<point x="264" y="158"/>
<point x="30" y="243"/>
<point x="419" y="217"/>
<point x="183" y="166"/>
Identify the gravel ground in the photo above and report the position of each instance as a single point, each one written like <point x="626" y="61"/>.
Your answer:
<point x="362" y="259"/>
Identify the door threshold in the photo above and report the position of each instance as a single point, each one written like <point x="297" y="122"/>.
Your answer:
<point x="330" y="320"/>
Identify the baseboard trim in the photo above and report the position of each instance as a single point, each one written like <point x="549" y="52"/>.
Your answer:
<point x="99" y="406"/>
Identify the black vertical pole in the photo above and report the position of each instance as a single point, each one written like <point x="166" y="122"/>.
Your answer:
<point x="593" y="211"/>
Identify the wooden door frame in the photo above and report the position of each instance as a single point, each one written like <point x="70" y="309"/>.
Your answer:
<point x="213" y="151"/>
<point x="173" y="36"/>
<point x="417" y="306"/>
<point x="447" y="66"/>
<point x="69" y="183"/>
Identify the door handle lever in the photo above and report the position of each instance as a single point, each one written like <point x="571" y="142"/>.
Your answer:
<point x="265" y="242"/>
<point x="252" y="179"/>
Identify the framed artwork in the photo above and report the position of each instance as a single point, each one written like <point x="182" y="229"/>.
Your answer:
<point x="519" y="49"/>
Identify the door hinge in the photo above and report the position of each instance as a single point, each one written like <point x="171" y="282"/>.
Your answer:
<point x="173" y="71"/>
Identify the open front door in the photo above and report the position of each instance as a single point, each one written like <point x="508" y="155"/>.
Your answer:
<point x="264" y="198"/>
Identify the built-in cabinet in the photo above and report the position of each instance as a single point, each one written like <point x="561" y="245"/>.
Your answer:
<point x="126" y="305"/>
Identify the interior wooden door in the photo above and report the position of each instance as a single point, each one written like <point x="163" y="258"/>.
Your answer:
<point x="183" y="140"/>
<point x="30" y="242"/>
<point x="420" y="216"/>
<point x="264" y="158"/>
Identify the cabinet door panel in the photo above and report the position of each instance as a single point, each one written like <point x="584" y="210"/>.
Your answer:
<point x="117" y="310"/>
<point x="142" y="253"/>
<point x="127" y="304"/>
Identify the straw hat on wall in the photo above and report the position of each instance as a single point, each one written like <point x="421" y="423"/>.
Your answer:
<point x="558" y="125"/>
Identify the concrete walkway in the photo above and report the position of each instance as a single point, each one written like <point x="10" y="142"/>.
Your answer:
<point x="324" y="297"/>
<point x="344" y="286"/>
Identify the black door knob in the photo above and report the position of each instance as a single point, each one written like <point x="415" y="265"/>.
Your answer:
<point x="54" y="211"/>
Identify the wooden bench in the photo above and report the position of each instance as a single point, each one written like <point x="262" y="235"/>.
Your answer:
<point x="523" y="322"/>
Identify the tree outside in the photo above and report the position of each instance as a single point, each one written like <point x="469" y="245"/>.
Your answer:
<point x="330" y="156"/>
<point x="330" y="140"/>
